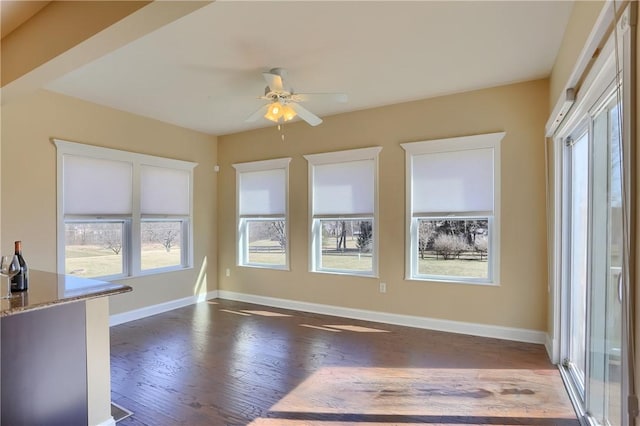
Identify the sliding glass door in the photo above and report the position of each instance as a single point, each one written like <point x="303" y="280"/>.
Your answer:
<point x="592" y="231"/>
<point x="605" y="319"/>
<point x="593" y="255"/>
<point x="577" y="256"/>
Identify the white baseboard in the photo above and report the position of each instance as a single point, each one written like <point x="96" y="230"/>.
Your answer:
<point x="147" y="311"/>
<point x="551" y="345"/>
<point x="482" y="330"/>
<point x="474" y="329"/>
<point x="109" y="422"/>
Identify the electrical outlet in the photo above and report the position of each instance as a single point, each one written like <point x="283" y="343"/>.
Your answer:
<point x="228" y="272"/>
<point x="383" y="287"/>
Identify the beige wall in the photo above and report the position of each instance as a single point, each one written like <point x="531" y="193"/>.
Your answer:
<point x="583" y="16"/>
<point x="520" y="301"/>
<point x="29" y="184"/>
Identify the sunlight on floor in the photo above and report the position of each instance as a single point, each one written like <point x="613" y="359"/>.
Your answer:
<point x="235" y="312"/>
<point x="317" y="327"/>
<point x="356" y="328"/>
<point x="266" y="313"/>
<point x="386" y="396"/>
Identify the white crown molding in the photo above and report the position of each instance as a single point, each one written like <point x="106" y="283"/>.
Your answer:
<point x="257" y="166"/>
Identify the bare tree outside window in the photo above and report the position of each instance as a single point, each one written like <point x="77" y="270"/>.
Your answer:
<point x="160" y="243"/>
<point x="280" y="233"/>
<point x="94" y="249"/>
<point x="481" y="245"/>
<point x="450" y="246"/>
<point x="365" y="237"/>
<point x="113" y="241"/>
<point x="453" y="247"/>
<point x="267" y="242"/>
<point x="426" y="231"/>
<point x="347" y="245"/>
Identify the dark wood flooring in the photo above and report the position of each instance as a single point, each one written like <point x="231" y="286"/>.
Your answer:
<point x="230" y="363"/>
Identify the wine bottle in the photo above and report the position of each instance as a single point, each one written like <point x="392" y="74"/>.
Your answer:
<point x="20" y="282"/>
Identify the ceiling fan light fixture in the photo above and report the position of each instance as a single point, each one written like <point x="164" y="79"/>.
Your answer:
<point x="274" y="112"/>
<point x="284" y="105"/>
<point x="288" y="113"/>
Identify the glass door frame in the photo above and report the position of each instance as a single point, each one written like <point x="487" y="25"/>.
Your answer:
<point x="593" y="93"/>
<point x="578" y="381"/>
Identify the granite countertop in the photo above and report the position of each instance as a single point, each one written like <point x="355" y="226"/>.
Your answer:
<point x="47" y="289"/>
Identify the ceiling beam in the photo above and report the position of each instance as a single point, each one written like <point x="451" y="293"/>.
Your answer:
<point x="65" y="35"/>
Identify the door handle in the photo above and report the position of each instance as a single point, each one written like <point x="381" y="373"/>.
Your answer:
<point x="620" y="287"/>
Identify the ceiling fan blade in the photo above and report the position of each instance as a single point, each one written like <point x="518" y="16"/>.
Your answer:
<point x="305" y="114"/>
<point x="274" y="81"/>
<point x="259" y="113"/>
<point x="336" y="97"/>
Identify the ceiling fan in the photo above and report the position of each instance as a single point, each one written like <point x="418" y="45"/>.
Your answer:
<point x="284" y="104"/>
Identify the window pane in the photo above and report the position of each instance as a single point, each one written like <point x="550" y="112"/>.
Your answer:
<point x="267" y="242"/>
<point x="161" y="243"/>
<point x="94" y="249"/>
<point x="347" y="245"/>
<point x="453" y="247"/>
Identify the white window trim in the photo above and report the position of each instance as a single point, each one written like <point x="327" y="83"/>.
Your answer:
<point x="132" y="267"/>
<point x="370" y="153"/>
<point x="462" y="143"/>
<point x="259" y="166"/>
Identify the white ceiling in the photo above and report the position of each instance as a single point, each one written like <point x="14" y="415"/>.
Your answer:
<point x="203" y="71"/>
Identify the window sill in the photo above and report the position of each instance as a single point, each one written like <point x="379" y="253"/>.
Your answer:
<point x="452" y="281"/>
<point x="145" y="273"/>
<point x="348" y="273"/>
<point x="272" y="267"/>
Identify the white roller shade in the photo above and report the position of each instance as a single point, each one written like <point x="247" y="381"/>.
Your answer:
<point x="263" y="192"/>
<point x="456" y="181"/>
<point x="344" y="188"/>
<point x="96" y="186"/>
<point x="164" y="190"/>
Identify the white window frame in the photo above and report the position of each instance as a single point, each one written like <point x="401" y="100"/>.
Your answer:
<point x="315" y="228"/>
<point x="131" y="244"/>
<point x="242" y="221"/>
<point x="463" y="143"/>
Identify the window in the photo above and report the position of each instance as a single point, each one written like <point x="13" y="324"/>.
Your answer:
<point x="122" y="214"/>
<point x="164" y="215"/>
<point x="344" y="197"/>
<point x="94" y="248"/>
<point x="453" y="209"/>
<point x="262" y="188"/>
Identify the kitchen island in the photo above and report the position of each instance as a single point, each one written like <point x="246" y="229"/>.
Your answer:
<point x="54" y="351"/>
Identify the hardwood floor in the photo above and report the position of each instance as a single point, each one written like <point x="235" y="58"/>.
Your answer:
<point x="230" y="363"/>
